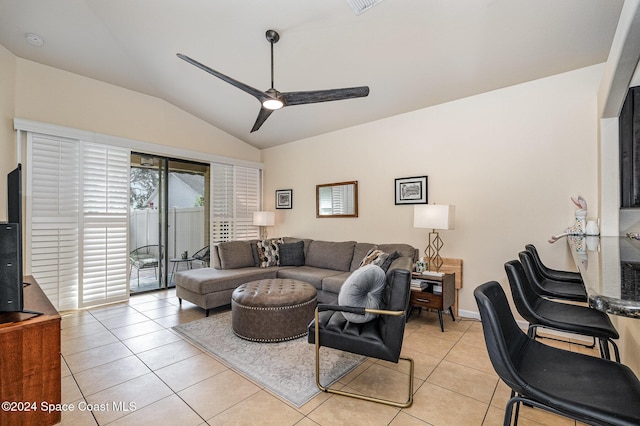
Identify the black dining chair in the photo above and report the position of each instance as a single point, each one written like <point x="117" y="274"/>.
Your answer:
<point x="565" y="290"/>
<point x="379" y="338"/>
<point x="545" y="313"/>
<point x="549" y="273"/>
<point x="585" y="388"/>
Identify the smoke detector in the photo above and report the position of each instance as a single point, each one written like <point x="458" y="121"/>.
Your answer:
<point x="359" y="6"/>
<point x="34" y="39"/>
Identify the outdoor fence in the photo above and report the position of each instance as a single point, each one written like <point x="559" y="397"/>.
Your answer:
<point x="186" y="229"/>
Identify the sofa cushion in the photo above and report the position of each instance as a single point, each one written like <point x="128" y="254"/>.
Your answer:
<point x="359" y="251"/>
<point x="309" y="274"/>
<point x="254" y="252"/>
<point x="363" y="289"/>
<point x="235" y="254"/>
<point x="292" y="254"/>
<point x="209" y="280"/>
<point x="405" y="250"/>
<point x="333" y="283"/>
<point x="330" y="255"/>
<point x="269" y="252"/>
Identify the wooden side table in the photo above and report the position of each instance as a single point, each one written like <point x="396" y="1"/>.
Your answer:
<point x="30" y="361"/>
<point x="175" y="265"/>
<point x="430" y="299"/>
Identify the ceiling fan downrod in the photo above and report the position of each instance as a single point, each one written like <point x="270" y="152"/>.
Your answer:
<point x="272" y="38"/>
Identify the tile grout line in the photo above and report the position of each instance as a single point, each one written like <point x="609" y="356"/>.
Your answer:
<point x="173" y="392"/>
<point x="134" y="354"/>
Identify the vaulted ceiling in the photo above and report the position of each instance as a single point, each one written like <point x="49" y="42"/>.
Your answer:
<point x="411" y="53"/>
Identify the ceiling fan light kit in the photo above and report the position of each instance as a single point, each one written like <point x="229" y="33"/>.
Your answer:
<point x="272" y="104"/>
<point x="272" y="99"/>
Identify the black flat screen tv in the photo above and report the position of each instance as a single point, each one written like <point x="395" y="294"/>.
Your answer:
<point x="11" y="268"/>
<point x="14" y="195"/>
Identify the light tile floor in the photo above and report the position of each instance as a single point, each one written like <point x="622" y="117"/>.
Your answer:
<point x="125" y="363"/>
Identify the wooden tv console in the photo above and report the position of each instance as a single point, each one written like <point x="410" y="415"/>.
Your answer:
<point x="30" y="382"/>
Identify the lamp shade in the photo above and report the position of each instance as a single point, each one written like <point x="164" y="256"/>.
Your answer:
<point x="264" y="218"/>
<point x="434" y="216"/>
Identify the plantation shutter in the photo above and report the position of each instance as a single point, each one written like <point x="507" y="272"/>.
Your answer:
<point x="52" y="246"/>
<point x="78" y="210"/>
<point x="235" y="196"/>
<point x="221" y="202"/>
<point x="105" y="188"/>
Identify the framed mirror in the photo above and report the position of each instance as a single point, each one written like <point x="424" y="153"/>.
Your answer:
<point x="337" y="199"/>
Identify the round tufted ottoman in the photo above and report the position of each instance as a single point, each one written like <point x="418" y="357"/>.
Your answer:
<point x="272" y="310"/>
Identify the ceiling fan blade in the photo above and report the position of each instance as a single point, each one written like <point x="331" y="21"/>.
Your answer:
<point x="244" y="87"/>
<point x="315" y="96"/>
<point x="262" y="117"/>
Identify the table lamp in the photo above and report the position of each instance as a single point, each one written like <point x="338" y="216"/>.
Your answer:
<point x="264" y="219"/>
<point x="434" y="217"/>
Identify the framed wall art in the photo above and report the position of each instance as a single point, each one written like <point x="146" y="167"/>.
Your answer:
<point x="412" y="190"/>
<point x="284" y="198"/>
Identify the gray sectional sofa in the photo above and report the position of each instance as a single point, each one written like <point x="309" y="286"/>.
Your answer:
<point x="323" y="264"/>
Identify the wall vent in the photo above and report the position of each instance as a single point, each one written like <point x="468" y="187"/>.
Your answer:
<point x="360" y="6"/>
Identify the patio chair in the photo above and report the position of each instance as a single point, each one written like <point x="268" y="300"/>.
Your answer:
<point x="203" y="255"/>
<point x="145" y="257"/>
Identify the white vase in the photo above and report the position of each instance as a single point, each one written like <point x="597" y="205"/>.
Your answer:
<point x="592" y="228"/>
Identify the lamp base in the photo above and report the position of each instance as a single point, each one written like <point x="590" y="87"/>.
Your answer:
<point x="433" y="251"/>
<point x="263" y="233"/>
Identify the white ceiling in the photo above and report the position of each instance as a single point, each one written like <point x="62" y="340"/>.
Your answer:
<point x="411" y="53"/>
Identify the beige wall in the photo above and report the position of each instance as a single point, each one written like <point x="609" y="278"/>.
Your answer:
<point x="509" y="160"/>
<point x="54" y="96"/>
<point x="7" y="138"/>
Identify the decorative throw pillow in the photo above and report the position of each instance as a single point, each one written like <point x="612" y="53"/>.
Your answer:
<point x="379" y="258"/>
<point x="363" y="289"/>
<point x="292" y="254"/>
<point x="388" y="261"/>
<point x="268" y="251"/>
<point x="370" y="256"/>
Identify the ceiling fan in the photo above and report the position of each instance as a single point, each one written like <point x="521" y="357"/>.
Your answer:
<point x="271" y="99"/>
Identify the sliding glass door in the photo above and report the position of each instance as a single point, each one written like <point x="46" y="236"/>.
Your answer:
<point x="169" y="227"/>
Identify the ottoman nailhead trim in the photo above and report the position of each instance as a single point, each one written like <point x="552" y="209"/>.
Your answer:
<point x="275" y="308"/>
<point x="270" y="340"/>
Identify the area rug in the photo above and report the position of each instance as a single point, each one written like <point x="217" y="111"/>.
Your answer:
<point x="285" y="368"/>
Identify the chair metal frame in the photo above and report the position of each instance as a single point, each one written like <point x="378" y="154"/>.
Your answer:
<point x="360" y="311"/>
